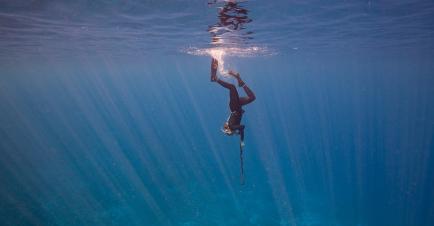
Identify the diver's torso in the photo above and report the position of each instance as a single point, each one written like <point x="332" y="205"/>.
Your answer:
<point x="235" y="118"/>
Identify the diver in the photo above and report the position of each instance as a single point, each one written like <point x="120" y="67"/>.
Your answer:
<point x="233" y="124"/>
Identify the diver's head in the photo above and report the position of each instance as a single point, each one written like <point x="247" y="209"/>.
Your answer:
<point x="227" y="130"/>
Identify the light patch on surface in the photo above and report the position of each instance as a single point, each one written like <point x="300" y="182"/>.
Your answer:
<point x="220" y="53"/>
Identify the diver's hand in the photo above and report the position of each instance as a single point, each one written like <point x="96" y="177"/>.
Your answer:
<point x="242" y="144"/>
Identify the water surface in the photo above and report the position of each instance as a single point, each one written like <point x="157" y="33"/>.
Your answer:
<point x="107" y="115"/>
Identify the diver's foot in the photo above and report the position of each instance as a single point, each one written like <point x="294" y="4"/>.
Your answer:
<point x="238" y="77"/>
<point x="213" y="77"/>
<point x="234" y="74"/>
<point x="214" y="66"/>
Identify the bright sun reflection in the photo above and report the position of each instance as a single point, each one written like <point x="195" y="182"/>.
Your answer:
<point x="219" y="55"/>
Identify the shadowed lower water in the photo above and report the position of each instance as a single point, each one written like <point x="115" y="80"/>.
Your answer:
<point x="108" y="115"/>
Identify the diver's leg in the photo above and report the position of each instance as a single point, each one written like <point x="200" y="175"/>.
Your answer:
<point x="225" y="84"/>
<point x="234" y="101"/>
<point x="250" y="96"/>
<point x="214" y="65"/>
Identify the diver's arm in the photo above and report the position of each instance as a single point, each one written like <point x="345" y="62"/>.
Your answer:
<point x="242" y="137"/>
<point x="242" y="134"/>
<point x="240" y="129"/>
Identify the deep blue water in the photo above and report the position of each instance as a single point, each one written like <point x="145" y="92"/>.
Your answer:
<point x="108" y="117"/>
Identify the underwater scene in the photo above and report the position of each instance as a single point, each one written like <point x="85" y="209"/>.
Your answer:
<point x="215" y="113"/>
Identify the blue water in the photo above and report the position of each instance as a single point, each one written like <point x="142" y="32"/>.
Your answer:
<point x="108" y="117"/>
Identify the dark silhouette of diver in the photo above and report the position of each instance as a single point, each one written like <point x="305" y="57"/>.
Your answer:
<point x="233" y="124"/>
